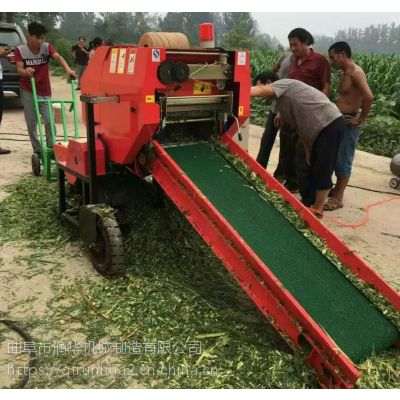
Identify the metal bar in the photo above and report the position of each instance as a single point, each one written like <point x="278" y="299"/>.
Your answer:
<point x="46" y="155"/>
<point x="193" y="107"/>
<point x="91" y="140"/>
<point x="36" y="105"/>
<point x="194" y="102"/>
<point x="71" y="219"/>
<point x="62" y="203"/>
<point x="53" y="135"/>
<point x="183" y="121"/>
<point x="215" y="96"/>
<point x="56" y="101"/>
<point x="165" y="146"/>
<point x="209" y="71"/>
<point x="100" y="99"/>
<point x="64" y="122"/>
<point x="75" y="110"/>
<point x="194" y="53"/>
<point x="85" y="193"/>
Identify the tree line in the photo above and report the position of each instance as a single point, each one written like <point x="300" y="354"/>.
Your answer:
<point x="377" y="39"/>
<point x="233" y="30"/>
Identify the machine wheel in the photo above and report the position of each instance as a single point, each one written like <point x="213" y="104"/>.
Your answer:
<point x="394" y="183"/>
<point x="35" y="164"/>
<point x="108" y="255"/>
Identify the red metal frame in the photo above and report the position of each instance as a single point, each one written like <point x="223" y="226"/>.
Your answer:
<point x="337" y="370"/>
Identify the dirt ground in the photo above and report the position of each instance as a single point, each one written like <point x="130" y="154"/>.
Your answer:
<point x="378" y="241"/>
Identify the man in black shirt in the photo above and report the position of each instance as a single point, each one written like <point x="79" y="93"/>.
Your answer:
<point x="81" y="56"/>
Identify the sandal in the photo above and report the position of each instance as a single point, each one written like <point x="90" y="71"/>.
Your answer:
<point x="332" y="204"/>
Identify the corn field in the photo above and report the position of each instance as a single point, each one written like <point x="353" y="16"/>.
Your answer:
<point x="383" y="73"/>
<point x="381" y="133"/>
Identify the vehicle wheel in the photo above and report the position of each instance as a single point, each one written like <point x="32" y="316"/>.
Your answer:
<point x="108" y="255"/>
<point x="394" y="183"/>
<point x="35" y="164"/>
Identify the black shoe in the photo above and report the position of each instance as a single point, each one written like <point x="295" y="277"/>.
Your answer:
<point x="4" y="151"/>
<point x="292" y="187"/>
<point x="78" y="88"/>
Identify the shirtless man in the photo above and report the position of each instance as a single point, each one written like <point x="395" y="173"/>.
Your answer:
<point x="354" y="93"/>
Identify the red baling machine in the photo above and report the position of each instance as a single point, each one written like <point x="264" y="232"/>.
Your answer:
<point x="131" y="95"/>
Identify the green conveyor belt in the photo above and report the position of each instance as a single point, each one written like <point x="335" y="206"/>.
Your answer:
<point x="330" y="299"/>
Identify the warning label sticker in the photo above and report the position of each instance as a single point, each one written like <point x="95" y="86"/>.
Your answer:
<point x="131" y="62"/>
<point x="121" y="61"/>
<point x="150" y="99"/>
<point x="202" y="88"/>
<point x="113" y="61"/>
<point x="241" y="60"/>
<point x="241" y="110"/>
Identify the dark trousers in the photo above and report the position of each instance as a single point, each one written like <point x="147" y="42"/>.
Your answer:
<point x="267" y="143"/>
<point x="324" y="155"/>
<point x="295" y="167"/>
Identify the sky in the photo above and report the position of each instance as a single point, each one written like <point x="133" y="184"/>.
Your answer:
<point x="279" y="24"/>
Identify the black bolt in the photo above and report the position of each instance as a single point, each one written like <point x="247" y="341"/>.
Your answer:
<point x="133" y="109"/>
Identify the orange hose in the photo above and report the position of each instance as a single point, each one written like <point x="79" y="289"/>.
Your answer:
<point x="366" y="216"/>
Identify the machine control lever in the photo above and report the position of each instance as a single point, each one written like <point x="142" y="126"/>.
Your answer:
<point x="100" y="99"/>
<point x="239" y="133"/>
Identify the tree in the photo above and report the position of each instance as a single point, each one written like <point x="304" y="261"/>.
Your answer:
<point x="7" y="16"/>
<point x="187" y="23"/>
<point x="48" y="19"/>
<point x="142" y="22"/>
<point x="265" y="42"/>
<point x="322" y="43"/>
<point x="239" y="31"/>
<point x="76" y="24"/>
<point x="248" y="25"/>
<point x="236" y="39"/>
<point x="124" y="27"/>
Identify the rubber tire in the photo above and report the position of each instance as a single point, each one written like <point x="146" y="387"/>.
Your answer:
<point x="111" y="243"/>
<point x="394" y="183"/>
<point x="35" y="160"/>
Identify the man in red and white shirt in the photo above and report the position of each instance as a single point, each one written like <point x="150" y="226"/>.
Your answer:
<point x="33" y="60"/>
